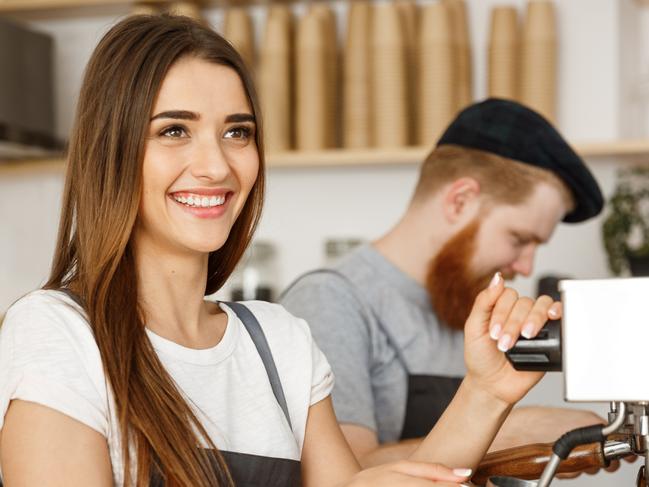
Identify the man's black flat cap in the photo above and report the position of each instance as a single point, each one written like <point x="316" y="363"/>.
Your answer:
<point x="511" y="130"/>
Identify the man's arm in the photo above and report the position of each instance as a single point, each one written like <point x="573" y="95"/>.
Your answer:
<point x="524" y="426"/>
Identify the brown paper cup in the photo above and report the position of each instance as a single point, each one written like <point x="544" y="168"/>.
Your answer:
<point x="503" y="53"/>
<point x="538" y="88"/>
<point x="462" y="52"/>
<point x="275" y="78"/>
<point x="356" y="85"/>
<point x="238" y="30"/>
<point x="389" y="96"/>
<point x="186" y="8"/>
<point x="312" y="77"/>
<point x="437" y="65"/>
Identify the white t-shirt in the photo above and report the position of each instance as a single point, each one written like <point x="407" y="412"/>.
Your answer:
<point x="48" y="355"/>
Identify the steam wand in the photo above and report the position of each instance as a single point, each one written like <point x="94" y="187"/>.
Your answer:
<point x="579" y="436"/>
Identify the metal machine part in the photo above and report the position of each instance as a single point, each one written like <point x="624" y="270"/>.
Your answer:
<point x="628" y="428"/>
<point x="509" y="482"/>
<point x="600" y="315"/>
<point x="541" y="353"/>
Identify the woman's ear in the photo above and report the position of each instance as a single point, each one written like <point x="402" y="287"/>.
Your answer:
<point x="460" y="200"/>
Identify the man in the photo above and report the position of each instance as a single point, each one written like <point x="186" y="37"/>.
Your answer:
<point x="389" y="316"/>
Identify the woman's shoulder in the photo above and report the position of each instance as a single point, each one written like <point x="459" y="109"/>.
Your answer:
<point x="45" y="308"/>
<point x="48" y="355"/>
<point x="47" y="325"/>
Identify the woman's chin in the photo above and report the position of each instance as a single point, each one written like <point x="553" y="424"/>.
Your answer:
<point x="205" y="246"/>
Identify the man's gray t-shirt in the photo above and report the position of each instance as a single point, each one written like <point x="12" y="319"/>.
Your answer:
<point x="360" y="314"/>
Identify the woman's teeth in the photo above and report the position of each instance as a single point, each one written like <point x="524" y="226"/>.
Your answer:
<point x="197" y="201"/>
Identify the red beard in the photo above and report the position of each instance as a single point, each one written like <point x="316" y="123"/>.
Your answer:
<point x="451" y="283"/>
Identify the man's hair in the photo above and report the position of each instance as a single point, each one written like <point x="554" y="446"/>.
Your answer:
<point x="502" y="180"/>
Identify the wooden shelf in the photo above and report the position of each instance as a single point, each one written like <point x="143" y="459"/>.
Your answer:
<point x="33" y="6"/>
<point x="617" y="148"/>
<point x="625" y="149"/>
<point x="17" y="6"/>
<point x="348" y="157"/>
<point x="357" y="157"/>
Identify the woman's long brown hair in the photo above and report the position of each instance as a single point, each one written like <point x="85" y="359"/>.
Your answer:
<point x="94" y="256"/>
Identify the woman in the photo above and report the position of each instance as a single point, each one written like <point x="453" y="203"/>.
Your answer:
<point x="119" y="369"/>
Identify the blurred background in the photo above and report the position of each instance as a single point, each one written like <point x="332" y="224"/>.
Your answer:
<point x="354" y="95"/>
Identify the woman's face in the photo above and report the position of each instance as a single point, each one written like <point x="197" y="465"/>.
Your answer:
<point x="200" y="159"/>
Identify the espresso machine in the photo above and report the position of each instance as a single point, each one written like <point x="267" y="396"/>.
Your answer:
<point x="601" y="346"/>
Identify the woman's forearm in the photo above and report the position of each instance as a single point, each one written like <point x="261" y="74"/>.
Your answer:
<point x="463" y="434"/>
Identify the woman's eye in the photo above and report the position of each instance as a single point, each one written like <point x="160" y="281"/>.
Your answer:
<point x="241" y="133"/>
<point x="174" y="132"/>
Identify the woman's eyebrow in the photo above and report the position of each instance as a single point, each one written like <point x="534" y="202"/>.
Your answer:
<point x="177" y="114"/>
<point x="240" y="117"/>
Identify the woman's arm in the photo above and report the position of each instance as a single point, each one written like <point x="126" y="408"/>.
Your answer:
<point x="466" y="429"/>
<point x="327" y="460"/>
<point x="492" y="386"/>
<point x="42" y="447"/>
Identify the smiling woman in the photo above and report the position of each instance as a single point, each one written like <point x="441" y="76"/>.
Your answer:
<point x="120" y="372"/>
<point x="201" y="158"/>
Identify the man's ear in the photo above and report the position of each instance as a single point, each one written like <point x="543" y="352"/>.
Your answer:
<point x="461" y="199"/>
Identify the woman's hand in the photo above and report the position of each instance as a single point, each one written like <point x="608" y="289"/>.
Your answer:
<point x="499" y="316"/>
<point x="410" y="474"/>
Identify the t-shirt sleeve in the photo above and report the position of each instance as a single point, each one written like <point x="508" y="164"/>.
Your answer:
<point x="339" y="325"/>
<point x="322" y="380"/>
<point x="48" y="356"/>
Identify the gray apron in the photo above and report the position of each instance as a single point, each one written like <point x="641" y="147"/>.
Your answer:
<point x="428" y="395"/>
<point x="254" y="470"/>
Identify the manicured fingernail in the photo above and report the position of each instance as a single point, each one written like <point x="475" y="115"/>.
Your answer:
<point x="504" y="342"/>
<point x="495" y="331"/>
<point x="462" y="472"/>
<point x="528" y="330"/>
<point x="495" y="280"/>
<point x="553" y="313"/>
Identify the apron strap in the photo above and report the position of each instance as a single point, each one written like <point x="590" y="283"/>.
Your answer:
<point x="259" y="339"/>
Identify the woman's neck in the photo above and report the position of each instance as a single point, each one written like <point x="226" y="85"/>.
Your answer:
<point x="171" y="289"/>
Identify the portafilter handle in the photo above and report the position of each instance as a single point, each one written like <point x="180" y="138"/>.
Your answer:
<point x="528" y="462"/>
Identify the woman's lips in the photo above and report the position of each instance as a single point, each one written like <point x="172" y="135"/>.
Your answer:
<point x="202" y="205"/>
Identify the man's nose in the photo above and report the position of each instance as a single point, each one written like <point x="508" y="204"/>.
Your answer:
<point x="525" y="262"/>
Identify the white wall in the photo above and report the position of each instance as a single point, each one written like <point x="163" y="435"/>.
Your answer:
<point x="604" y="58"/>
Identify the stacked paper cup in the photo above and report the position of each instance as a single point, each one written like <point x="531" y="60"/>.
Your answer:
<point x="238" y="30"/>
<point x="504" y="53"/>
<point x="312" y="77"/>
<point x="274" y="75"/>
<point x="462" y="52"/>
<point x="333" y="107"/>
<point x="436" y="68"/>
<point x="186" y="8"/>
<point x="143" y="9"/>
<point x="357" y="81"/>
<point x="389" y="94"/>
<point x="539" y="58"/>
<point x="408" y="11"/>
